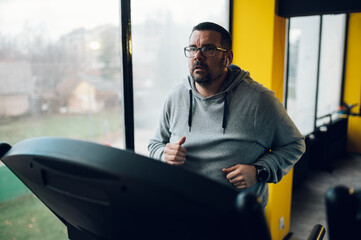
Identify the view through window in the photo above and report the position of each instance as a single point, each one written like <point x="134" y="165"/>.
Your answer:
<point x="60" y="70"/>
<point x="60" y="75"/>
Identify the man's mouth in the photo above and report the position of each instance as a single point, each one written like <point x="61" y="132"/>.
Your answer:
<point x="199" y="67"/>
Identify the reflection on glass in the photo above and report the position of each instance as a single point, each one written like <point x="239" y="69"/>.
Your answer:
<point x="60" y="70"/>
<point x="331" y="65"/>
<point x="302" y="72"/>
<point x="160" y="31"/>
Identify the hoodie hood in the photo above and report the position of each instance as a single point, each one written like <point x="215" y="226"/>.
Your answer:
<point x="234" y="77"/>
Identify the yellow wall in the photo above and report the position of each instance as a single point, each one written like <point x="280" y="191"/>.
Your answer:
<point x="252" y="33"/>
<point x="259" y="46"/>
<point x="352" y="92"/>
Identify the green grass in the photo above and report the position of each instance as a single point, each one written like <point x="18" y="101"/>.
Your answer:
<point x="27" y="218"/>
<point x="87" y="127"/>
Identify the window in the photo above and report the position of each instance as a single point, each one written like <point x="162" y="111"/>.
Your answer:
<point x="59" y="76"/>
<point x="60" y="63"/>
<point x="160" y="31"/>
<point x="331" y="65"/>
<point x="315" y="65"/>
<point x="302" y="73"/>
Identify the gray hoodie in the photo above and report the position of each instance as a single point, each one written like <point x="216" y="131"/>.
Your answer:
<point x="244" y="123"/>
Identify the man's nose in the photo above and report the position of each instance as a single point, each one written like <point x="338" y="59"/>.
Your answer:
<point x="199" y="54"/>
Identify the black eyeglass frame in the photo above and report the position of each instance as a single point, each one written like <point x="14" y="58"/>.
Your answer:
<point x="202" y="49"/>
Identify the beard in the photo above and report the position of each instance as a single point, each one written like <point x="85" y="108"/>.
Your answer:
<point x="208" y="77"/>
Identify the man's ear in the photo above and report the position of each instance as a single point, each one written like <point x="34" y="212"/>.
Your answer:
<point x="229" y="58"/>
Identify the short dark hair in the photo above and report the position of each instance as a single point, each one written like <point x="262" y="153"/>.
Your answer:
<point x="226" y="38"/>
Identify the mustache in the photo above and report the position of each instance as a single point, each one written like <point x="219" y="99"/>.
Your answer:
<point x="199" y="64"/>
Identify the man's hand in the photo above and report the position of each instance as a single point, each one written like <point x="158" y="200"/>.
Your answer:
<point x="174" y="153"/>
<point x="241" y="176"/>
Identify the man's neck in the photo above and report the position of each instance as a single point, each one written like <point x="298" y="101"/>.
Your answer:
<point x="213" y="88"/>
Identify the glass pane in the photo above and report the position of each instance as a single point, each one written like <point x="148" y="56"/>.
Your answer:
<point x="302" y="74"/>
<point x="331" y="64"/>
<point x="60" y="70"/>
<point x="59" y="76"/>
<point x="160" y="31"/>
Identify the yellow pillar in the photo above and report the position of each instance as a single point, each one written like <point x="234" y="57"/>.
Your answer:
<point x="352" y="92"/>
<point x="259" y="47"/>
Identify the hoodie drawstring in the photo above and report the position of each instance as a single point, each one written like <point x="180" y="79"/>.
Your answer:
<point x="224" y="121"/>
<point x="190" y="109"/>
<point x="225" y="109"/>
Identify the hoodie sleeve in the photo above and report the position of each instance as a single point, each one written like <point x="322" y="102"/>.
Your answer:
<point x="282" y="140"/>
<point x="161" y="137"/>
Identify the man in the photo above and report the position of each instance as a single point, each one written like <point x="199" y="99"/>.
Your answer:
<point x="222" y="124"/>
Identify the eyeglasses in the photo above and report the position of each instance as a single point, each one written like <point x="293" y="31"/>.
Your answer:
<point x="206" y="51"/>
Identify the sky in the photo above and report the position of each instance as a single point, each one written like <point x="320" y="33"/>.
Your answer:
<point x="58" y="17"/>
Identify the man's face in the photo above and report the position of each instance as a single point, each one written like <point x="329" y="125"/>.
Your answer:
<point x="206" y="70"/>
